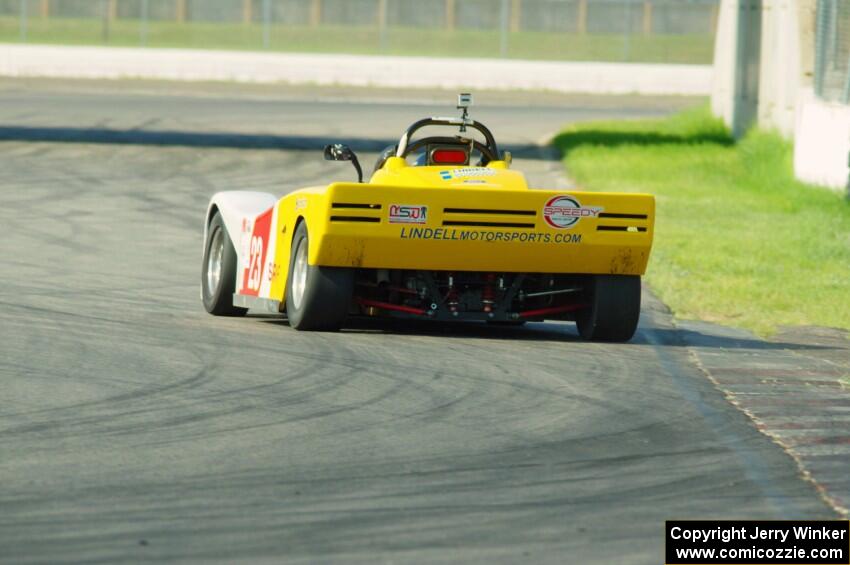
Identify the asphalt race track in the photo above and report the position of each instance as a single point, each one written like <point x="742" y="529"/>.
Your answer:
<point x="134" y="426"/>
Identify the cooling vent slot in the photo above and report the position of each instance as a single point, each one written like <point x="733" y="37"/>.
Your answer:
<point x="487" y="224"/>
<point x="623" y="216"/>
<point x="355" y="206"/>
<point x="631" y="229"/>
<point x="494" y="212"/>
<point x="365" y="219"/>
<point x="618" y="216"/>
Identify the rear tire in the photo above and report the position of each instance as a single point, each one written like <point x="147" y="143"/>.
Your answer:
<point x="614" y="309"/>
<point x="317" y="298"/>
<point x="218" y="273"/>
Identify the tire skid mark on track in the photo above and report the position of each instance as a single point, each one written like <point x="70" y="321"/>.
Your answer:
<point x="114" y="406"/>
<point x="245" y="439"/>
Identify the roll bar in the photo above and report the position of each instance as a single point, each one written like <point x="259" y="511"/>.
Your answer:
<point x="435" y="121"/>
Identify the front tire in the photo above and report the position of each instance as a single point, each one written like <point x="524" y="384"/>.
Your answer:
<point x="317" y="298"/>
<point x="614" y="309"/>
<point x="218" y="274"/>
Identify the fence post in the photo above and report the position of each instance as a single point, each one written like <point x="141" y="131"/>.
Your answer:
<point x="820" y="46"/>
<point x="516" y="15"/>
<point x="581" y="24"/>
<point x="832" y="34"/>
<point x="450" y="15"/>
<point x="807" y="14"/>
<point x="503" y="35"/>
<point x="267" y="22"/>
<point x="647" y="17"/>
<point x="627" y="38"/>
<point x="143" y="24"/>
<point x="112" y="11"/>
<point x="105" y="7"/>
<point x="315" y="12"/>
<point x="247" y="11"/>
<point x="180" y="11"/>
<point x="382" y="25"/>
<point x="44" y="9"/>
<point x="22" y="21"/>
<point x="715" y="15"/>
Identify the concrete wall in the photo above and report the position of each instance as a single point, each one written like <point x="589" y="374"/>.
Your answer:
<point x="735" y="94"/>
<point x="780" y="71"/>
<point x="353" y="70"/>
<point x="725" y="60"/>
<point x="822" y="141"/>
<point x="822" y="129"/>
<point x="763" y="75"/>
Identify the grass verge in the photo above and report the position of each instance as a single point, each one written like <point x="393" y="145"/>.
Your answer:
<point x="660" y="48"/>
<point x="738" y="240"/>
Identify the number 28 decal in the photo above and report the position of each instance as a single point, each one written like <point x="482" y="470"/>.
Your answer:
<point x="253" y="274"/>
<point x="255" y="264"/>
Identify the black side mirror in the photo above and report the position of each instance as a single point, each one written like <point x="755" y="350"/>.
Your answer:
<point x="342" y="152"/>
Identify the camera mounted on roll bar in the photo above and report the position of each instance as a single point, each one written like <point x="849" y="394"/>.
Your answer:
<point x="464" y="102"/>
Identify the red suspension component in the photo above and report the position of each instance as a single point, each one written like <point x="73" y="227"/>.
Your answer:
<point x="452" y="296"/>
<point x="488" y="294"/>
<point x="388" y="306"/>
<point x="551" y="310"/>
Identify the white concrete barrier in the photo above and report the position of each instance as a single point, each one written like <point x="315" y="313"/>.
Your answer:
<point x="822" y="141"/>
<point x="353" y="70"/>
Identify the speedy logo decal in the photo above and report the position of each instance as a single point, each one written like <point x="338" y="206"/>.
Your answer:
<point x="467" y="172"/>
<point x="256" y="257"/>
<point x="407" y="214"/>
<point x="563" y="212"/>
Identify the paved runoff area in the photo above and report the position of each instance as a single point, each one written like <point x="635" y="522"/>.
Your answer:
<point x="353" y="70"/>
<point x="136" y="427"/>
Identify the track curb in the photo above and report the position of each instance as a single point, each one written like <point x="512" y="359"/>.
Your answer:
<point x="792" y="397"/>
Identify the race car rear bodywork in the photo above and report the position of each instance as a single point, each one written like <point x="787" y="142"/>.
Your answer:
<point x="442" y="242"/>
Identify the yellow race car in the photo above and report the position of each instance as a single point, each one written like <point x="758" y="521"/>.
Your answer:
<point x="444" y="230"/>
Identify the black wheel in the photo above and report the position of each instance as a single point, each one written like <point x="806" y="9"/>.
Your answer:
<point x="218" y="274"/>
<point x="614" y="308"/>
<point x="317" y="298"/>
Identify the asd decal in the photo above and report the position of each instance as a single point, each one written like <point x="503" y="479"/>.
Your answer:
<point x="563" y="212"/>
<point x="407" y="214"/>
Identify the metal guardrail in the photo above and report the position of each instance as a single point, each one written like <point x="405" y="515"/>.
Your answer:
<point x="627" y="21"/>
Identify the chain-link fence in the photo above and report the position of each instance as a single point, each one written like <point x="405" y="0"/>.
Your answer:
<point x="676" y="31"/>
<point x="832" y="50"/>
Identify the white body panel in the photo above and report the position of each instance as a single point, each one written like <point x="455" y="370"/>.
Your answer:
<point x="236" y="205"/>
<point x="238" y="209"/>
<point x="268" y="264"/>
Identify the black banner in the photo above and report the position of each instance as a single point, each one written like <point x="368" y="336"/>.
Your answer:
<point x="768" y="542"/>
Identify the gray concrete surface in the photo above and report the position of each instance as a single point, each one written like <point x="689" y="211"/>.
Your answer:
<point x="135" y="427"/>
<point x="286" y="117"/>
<point x="99" y="62"/>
